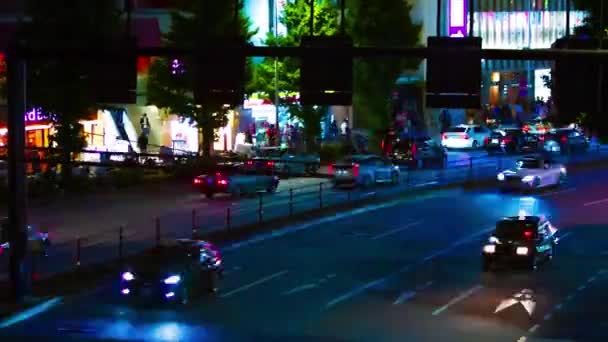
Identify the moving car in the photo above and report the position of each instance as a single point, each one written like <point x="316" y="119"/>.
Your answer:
<point x="519" y="241"/>
<point x="229" y="179"/>
<point x="39" y="241"/>
<point x="533" y="172"/>
<point x="417" y="152"/>
<point x="175" y="271"/>
<point x="465" y="136"/>
<point x="364" y="170"/>
<point x="512" y="140"/>
<point x="565" y="140"/>
<point x="283" y="160"/>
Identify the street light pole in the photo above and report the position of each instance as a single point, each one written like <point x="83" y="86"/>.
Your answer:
<point x="276" y="75"/>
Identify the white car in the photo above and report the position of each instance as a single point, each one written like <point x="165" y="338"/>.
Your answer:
<point x="465" y="136"/>
<point x="364" y="170"/>
<point x="533" y="173"/>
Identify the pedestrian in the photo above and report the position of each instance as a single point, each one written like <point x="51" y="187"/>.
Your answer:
<point x="144" y="124"/>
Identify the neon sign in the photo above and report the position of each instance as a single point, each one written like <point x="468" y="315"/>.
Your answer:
<point x="458" y="18"/>
<point x="35" y="116"/>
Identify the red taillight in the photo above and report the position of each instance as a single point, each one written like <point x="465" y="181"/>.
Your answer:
<point x="444" y="136"/>
<point x="526" y="128"/>
<point x="528" y="234"/>
<point x="486" y="140"/>
<point x="507" y="140"/>
<point x="249" y="162"/>
<point x="222" y="182"/>
<point x="197" y="181"/>
<point x="356" y="170"/>
<point x="330" y="169"/>
<point x="564" y="139"/>
<point x="270" y="163"/>
<point x="465" y="137"/>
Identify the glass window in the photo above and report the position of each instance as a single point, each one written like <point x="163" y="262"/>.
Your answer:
<point x="457" y="130"/>
<point x="529" y="164"/>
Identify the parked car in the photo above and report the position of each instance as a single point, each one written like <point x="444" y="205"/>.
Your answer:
<point x="565" y="140"/>
<point x="229" y="179"/>
<point x="364" y="170"/>
<point x="512" y="140"/>
<point x="417" y="152"/>
<point x="286" y="161"/>
<point x="465" y="136"/>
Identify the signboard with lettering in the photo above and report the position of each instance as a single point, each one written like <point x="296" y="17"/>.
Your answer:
<point x="36" y="116"/>
<point x="458" y="18"/>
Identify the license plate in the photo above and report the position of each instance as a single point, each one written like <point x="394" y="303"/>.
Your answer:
<point x="494" y="141"/>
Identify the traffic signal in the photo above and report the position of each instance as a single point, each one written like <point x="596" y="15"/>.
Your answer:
<point x="453" y="73"/>
<point x="220" y="73"/>
<point x="326" y="79"/>
<point x="113" y="79"/>
<point x="575" y="79"/>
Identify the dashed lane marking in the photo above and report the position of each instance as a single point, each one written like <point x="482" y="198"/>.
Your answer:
<point x="30" y="313"/>
<point x="588" y="204"/>
<point x="253" y="284"/>
<point x="407" y="295"/>
<point x="458" y="299"/>
<point x="396" y="230"/>
<point x="534" y="328"/>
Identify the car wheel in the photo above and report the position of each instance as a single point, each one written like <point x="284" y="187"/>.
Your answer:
<point x="475" y="144"/>
<point x="395" y="178"/>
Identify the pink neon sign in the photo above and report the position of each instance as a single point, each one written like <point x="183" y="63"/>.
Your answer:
<point x="458" y="18"/>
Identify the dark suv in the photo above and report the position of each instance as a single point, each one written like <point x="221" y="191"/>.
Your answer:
<point x="512" y="140"/>
<point x="565" y="140"/>
<point x="421" y="151"/>
<point x="519" y="241"/>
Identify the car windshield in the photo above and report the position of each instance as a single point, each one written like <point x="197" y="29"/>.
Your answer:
<point x="457" y="130"/>
<point x="515" y="230"/>
<point x="528" y="164"/>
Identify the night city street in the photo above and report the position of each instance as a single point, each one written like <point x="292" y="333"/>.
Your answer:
<point x="405" y="272"/>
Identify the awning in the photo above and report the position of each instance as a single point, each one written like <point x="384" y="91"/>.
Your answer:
<point x="147" y="31"/>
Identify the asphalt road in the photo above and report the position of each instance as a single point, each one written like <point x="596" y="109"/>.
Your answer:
<point x="403" y="272"/>
<point x="95" y="220"/>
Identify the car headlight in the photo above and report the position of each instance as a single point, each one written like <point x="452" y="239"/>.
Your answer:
<point x="527" y="179"/>
<point x="521" y="251"/>
<point x="172" y="280"/>
<point x="128" y="276"/>
<point x="501" y="177"/>
<point x="562" y="169"/>
<point x="489" y="249"/>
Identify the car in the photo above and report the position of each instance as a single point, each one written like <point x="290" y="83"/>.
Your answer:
<point x="420" y="151"/>
<point x="533" y="172"/>
<point x="519" y="241"/>
<point x="512" y="140"/>
<point x="38" y="241"/>
<point x="175" y="271"/>
<point x="286" y="161"/>
<point x="364" y="170"/>
<point x="565" y="140"/>
<point x="465" y="136"/>
<point x="229" y="179"/>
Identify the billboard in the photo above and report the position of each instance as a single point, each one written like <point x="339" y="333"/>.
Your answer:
<point x="457" y="23"/>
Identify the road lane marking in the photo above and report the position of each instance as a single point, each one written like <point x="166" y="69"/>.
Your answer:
<point x="31" y="312"/>
<point x="397" y="230"/>
<point x="522" y="339"/>
<point x="253" y="284"/>
<point x="534" y="328"/>
<point x="553" y="193"/>
<point x="592" y="279"/>
<point x="588" y="204"/>
<point x="404" y="297"/>
<point x="300" y="289"/>
<point x="581" y="288"/>
<point x="458" y="299"/>
<point x="426" y="184"/>
<point x="364" y="287"/>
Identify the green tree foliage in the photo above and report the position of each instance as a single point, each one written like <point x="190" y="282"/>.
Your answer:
<point x="592" y="25"/>
<point x="191" y="22"/>
<point x="379" y="23"/>
<point x="296" y="18"/>
<point x="60" y="85"/>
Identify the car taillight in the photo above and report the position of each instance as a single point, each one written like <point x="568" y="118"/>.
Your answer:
<point x="486" y="140"/>
<point x="465" y="137"/>
<point x="197" y="181"/>
<point x="330" y="169"/>
<point x="356" y="170"/>
<point x="564" y="139"/>
<point x="507" y="140"/>
<point x="444" y="136"/>
<point x="528" y="234"/>
<point x="526" y="128"/>
<point x="249" y="162"/>
<point x="222" y="182"/>
<point x="270" y="163"/>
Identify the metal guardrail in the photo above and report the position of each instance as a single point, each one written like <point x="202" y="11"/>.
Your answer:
<point x="124" y="240"/>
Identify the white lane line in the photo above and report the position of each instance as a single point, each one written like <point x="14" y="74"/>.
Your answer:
<point x="404" y="297"/>
<point x="397" y="230"/>
<point x="300" y="289"/>
<point x="458" y="299"/>
<point x="534" y="328"/>
<point x="364" y="287"/>
<point x="522" y="339"/>
<point x="426" y="184"/>
<point x="592" y="279"/>
<point x="581" y="288"/>
<point x="30" y="313"/>
<point x="255" y="283"/>
<point x="553" y="193"/>
<point x="595" y="202"/>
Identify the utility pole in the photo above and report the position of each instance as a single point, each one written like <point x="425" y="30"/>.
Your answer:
<point x="17" y="201"/>
<point x="276" y="75"/>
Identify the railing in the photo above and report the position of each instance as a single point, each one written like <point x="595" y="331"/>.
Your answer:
<point x="73" y="251"/>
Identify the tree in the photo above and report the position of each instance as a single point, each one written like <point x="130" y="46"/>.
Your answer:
<point x="593" y="25"/>
<point x="296" y="18"/>
<point x="172" y="82"/>
<point x="61" y="85"/>
<point x="379" y="23"/>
